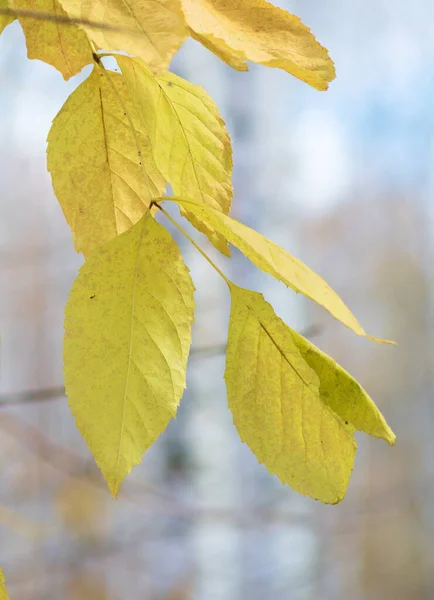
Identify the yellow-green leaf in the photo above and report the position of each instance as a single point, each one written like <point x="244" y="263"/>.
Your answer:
<point x="93" y="158"/>
<point x="273" y="259"/>
<point x="191" y="145"/>
<point x="63" y="45"/>
<point x="151" y="29"/>
<point x="343" y="393"/>
<point x="127" y="338"/>
<point x="5" y="20"/>
<point x="256" y="30"/>
<point x="3" y="590"/>
<point x="275" y="399"/>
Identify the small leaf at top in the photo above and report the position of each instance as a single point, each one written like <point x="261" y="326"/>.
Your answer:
<point x="127" y="338"/>
<point x="63" y="45"/>
<point x="100" y="181"/>
<point x="256" y="30"/>
<point x="191" y="146"/>
<point x="152" y="29"/>
<point x="274" y="260"/>
<point x="275" y="399"/>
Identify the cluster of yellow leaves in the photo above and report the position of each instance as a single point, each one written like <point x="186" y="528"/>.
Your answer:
<point x="116" y="144"/>
<point x="245" y="30"/>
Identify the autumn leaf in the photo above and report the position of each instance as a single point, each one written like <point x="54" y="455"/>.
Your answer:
<point x="342" y="393"/>
<point x="275" y="399"/>
<point x="191" y="146"/>
<point x="127" y="338"/>
<point x="93" y="159"/>
<point x="276" y="261"/>
<point x="153" y="30"/>
<point x="3" y="591"/>
<point x="5" y="20"/>
<point x="64" y="46"/>
<point x="257" y="31"/>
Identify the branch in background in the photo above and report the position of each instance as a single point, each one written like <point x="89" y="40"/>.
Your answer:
<point x="58" y="392"/>
<point x="69" y="462"/>
<point x="46" y="16"/>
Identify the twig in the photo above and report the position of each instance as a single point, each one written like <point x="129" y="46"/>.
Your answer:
<point x="67" y="20"/>
<point x="58" y="392"/>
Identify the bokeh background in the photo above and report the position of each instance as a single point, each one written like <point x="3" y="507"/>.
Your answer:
<point x="344" y="180"/>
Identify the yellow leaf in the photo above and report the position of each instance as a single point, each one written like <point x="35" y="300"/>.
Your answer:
<point x="256" y="30"/>
<point x="218" y="47"/>
<point x="342" y="393"/>
<point x="127" y="338"/>
<point x="64" y="46"/>
<point x="153" y="29"/>
<point x="191" y="145"/>
<point x="94" y="163"/>
<point x="273" y="259"/>
<point x="275" y="399"/>
<point x="3" y="591"/>
<point x="5" y="20"/>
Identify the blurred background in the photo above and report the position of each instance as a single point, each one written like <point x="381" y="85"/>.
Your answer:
<point x="345" y="181"/>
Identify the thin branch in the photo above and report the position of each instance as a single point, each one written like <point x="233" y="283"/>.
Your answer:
<point x="65" y="19"/>
<point x="70" y="463"/>
<point x="191" y="240"/>
<point x="32" y="396"/>
<point x="57" y="392"/>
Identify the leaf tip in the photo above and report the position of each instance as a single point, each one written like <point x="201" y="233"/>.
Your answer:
<point x="391" y="437"/>
<point x="113" y="486"/>
<point x="338" y="500"/>
<point x="380" y="341"/>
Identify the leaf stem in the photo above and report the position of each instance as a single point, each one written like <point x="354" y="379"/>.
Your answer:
<point x="191" y="240"/>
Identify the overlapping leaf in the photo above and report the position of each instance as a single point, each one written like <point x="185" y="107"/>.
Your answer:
<point x="342" y="393"/>
<point x="63" y="45"/>
<point x="294" y="407"/>
<point x="101" y="182"/>
<point x="257" y="31"/>
<point x="191" y="145"/>
<point x="152" y="29"/>
<point x="5" y="19"/>
<point x="127" y="338"/>
<point x="277" y="407"/>
<point x="273" y="259"/>
<point x="3" y="590"/>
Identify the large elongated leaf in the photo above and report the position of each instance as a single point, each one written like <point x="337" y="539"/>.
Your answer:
<point x="63" y="45"/>
<point x="3" y="590"/>
<point x="191" y="145"/>
<point x="273" y="259"/>
<point x="94" y="163"/>
<point x="151" y="29"/>
<point x="127" y="338"/>
<point x="275" y="399"/>
<point x="256" y="30"/>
